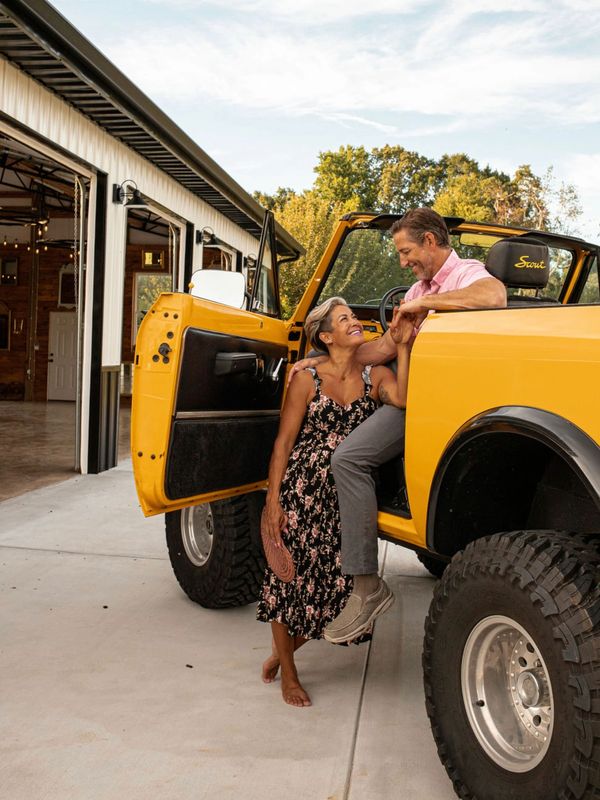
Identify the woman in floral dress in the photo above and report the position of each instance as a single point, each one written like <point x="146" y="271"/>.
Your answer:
<point x="321" y="408"/>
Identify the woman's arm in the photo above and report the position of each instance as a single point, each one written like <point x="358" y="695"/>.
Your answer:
<point x="298" y="396"/>
<point x="389" y="388"/>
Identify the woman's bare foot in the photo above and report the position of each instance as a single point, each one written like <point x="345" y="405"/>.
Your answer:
<point x="270" y="668"/>
<point x="294" y="694"/>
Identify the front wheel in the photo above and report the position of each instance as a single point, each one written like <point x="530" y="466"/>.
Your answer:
<point x="511" y="659"/>
<point x="215" y="550"/>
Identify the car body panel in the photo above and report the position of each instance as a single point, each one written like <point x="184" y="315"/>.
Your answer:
<point x="473" y="361"/>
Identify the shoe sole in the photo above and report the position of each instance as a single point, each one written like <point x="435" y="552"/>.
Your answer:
<point x="381" y="608"/>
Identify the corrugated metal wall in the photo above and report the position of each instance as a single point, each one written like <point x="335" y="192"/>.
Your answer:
<point x="45" y="114"/>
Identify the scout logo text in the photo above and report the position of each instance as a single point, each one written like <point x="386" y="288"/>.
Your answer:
<point x="525" y="263"/>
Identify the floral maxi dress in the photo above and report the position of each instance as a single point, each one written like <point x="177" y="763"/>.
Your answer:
<point x="308" y="496"/>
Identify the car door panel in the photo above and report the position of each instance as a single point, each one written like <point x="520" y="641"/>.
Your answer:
<point x="205" y="385"/>
<point x="197" y="443"/>
<point x="222" y="409"/>
<point x="208" y="386"/>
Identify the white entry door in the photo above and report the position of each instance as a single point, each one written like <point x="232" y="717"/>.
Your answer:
<point x="62" y="356"/>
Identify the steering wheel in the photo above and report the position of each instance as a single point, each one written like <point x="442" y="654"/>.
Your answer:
<point x="389" y="295"/>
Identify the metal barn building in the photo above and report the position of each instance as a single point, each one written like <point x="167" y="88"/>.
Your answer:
<point x="104" y="202"/>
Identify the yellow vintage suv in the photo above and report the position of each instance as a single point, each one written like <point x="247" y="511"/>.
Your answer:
<point x="498" y="493"/>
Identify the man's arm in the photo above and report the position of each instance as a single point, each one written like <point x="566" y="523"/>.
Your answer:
<point x="377" y="351"/>
<point x="484" y="293"/>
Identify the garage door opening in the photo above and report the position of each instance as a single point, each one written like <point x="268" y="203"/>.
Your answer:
<point x="43" y="208"/>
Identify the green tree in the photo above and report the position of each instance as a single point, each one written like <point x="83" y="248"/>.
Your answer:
<point x="276" y="201"/>
<point x="347" y="176"/>
<point x="472" y="196"/>
<point x="404" y="178"/>
<point x="392" y="179"/>
<point x="311" y="220"/>
<point x="530" y="196"/>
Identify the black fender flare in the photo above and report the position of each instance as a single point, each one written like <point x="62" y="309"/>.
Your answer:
<point x="574" y="446"/>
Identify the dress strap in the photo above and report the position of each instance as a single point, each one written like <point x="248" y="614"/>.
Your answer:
<point x="366" y="376"/>
<point x="315" y="375"/>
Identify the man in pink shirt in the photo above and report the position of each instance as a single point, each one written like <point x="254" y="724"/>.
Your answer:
<point x="444" y="282"/>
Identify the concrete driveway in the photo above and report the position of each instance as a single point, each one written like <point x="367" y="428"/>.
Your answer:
<point x="114" y="685"/>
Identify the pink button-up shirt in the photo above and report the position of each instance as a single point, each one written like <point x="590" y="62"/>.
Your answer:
<point x="455" y="273"/>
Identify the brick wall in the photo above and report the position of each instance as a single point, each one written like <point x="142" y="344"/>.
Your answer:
<point x="13" y="363"/>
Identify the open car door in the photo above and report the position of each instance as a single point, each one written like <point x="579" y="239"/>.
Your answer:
<point x="208" y="386"/>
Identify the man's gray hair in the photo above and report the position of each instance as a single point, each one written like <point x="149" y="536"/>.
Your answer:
<point x="419" y="221"/>
<point x="319" y="320"/>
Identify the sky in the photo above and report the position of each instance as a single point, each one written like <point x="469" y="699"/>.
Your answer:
<point x="264" y="86"/>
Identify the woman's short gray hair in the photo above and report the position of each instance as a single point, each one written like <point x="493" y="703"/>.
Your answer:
<point x="319" y="320"/>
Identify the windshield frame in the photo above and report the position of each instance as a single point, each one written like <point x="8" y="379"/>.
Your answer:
<point x="578" y="247"/>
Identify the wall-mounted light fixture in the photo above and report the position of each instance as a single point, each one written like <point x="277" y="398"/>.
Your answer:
<point x="250" y="260"/>
<point x="206" y="236"/>
<point x="128" y="194"/>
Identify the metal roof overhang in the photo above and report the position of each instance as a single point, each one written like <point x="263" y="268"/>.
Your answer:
<point x="39" y="40"/>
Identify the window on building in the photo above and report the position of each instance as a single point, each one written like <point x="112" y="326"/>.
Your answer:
<point x="218" y="257"/>
<point x="4" y="327"/>
<point x="148" y="286"/>
<point x="9" y="271"/>
<point x="66" y="286"/>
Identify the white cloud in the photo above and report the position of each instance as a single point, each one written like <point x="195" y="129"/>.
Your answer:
<point x="583" y="169"/>
<point x="303" y="12"/>
<point x="487" y="72"/>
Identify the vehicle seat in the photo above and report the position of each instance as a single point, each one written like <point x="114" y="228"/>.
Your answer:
<point x="521" y="262"/>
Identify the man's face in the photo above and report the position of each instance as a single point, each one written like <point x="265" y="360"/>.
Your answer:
<point x="421" y="258"/>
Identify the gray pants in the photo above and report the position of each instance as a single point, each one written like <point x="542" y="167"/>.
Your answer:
<point x="372" y="443"/>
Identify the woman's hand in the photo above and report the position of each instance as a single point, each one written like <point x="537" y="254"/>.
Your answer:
<point x="414" y="311"/>
<point x="305" y="363"/>
<point x="401" y="327"/>
<point x="273" y="521"/>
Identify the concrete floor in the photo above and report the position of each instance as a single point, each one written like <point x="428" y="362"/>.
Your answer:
<point x="114" y="685"/>
<point x="38" y="444"/>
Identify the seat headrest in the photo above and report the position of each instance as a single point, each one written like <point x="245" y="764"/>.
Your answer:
<point x="520" y="262"/>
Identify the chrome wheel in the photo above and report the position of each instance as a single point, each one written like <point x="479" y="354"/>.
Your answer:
<point x="197" y="533"/>
<point x="507" y="693"/>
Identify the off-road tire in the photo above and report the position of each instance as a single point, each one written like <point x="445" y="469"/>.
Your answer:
<point x="433" y="565"/>
<point x="547" y="583"/>
<point x="234" y="569"/>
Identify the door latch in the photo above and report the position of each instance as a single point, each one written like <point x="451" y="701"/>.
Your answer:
<point x="275" y="374"/>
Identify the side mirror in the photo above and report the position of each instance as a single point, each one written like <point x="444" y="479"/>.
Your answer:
<point x="219" y="286"/>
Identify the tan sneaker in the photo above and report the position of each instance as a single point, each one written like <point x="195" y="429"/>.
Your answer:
<point x="358" y="614"/>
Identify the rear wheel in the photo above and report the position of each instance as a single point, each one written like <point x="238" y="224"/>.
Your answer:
<point x="511" y="664"/>
<point x="433" y="565"/>
<point x="215" y="550"/>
